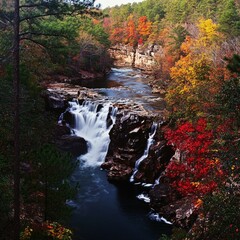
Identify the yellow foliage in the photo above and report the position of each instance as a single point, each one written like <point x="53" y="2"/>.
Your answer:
<point x="207" y="32"/>
<point x="191" y="83"/>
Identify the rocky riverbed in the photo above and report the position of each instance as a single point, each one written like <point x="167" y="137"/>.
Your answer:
<point x="129" y="137"/>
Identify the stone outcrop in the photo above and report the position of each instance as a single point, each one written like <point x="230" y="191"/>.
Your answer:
<point x="54" y="100"/>
<point x="128" y="140"/>
<point x="141" y="57"/>
<point x="57" y="95"/>
<point x="181" y="212"/>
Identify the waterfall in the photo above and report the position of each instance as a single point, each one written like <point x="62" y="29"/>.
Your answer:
<point x="146" y="150"/>
<point x="156" y="217"/>
<point x="93" y="122"/>
<point x="144" y="197"/>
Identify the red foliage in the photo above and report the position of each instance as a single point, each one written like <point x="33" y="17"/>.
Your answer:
<point x="117" y="35"/>
<point x="140" y="41"/>
<point x="197" y="170"/>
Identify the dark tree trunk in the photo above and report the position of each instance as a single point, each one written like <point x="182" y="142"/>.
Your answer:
<point x="134" y="54"/>
<point x="16" y="86"/>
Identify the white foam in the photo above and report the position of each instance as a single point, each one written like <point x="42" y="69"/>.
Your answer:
<point x="156" y="217"/>
<point x="91" y="124"/>
<point x="144" y="198"/>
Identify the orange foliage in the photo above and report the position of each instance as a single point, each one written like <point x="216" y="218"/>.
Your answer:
<point x="165" y="58"/>
<point x="186" y="45"/>
<point x="144" y="26"/>
<point x="95" y="21"/>
<point x="131" y="31"/>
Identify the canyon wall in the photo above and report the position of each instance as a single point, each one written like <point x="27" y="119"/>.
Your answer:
<point x="143" y="57"/>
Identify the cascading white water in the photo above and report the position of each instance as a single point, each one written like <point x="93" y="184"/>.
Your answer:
<point x="93" y="122"/>
<point x="146" y="151"/>
<point x="156" y="217"/>
<point x="144" y="197"/>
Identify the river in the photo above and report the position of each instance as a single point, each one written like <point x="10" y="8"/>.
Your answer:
<point x="103" y="211"/>
<point x="129" y="86"/>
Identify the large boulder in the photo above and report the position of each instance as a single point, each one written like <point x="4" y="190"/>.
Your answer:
<point x="74" y="144"/>
<point x="54" y="100"/>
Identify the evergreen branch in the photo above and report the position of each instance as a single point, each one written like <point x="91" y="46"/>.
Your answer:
<point x="41" y="34"/>
<point x="35" y="42"/>
<point x="31" y="6"/>
<point x="68" y="13"/>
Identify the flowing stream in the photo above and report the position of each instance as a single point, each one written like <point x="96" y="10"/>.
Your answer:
<point x="103" y="211"/>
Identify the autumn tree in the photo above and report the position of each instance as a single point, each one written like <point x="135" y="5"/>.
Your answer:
<point x="131" y="31"/>
<point x="225" y="122"/>
<point x="191" y="86"/>
<point x="198" y="170"/>
<point x="143" y="28"/>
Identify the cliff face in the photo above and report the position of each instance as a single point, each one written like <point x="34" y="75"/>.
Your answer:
<point x="143" y="57"/>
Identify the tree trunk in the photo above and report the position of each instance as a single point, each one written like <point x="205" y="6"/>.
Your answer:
<point x="134" y="54"/>
<point x="16" y="86"/>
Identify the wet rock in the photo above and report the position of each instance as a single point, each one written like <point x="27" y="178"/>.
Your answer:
<point x="54" y="101"/>
<point x="61" y="130"/>
<point x="109" y="120"/>
<point x="161" y="195"/>
<point x="158" y="159"/>
<point x="99" y="107"/>
<point x="74" y="144"/>
<point x="68" y="118"/>
<point x="119" y="172"/>
<point x="128" y="140"/>
<point x="182" y="213"/>
<point x="66" y="92"/>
